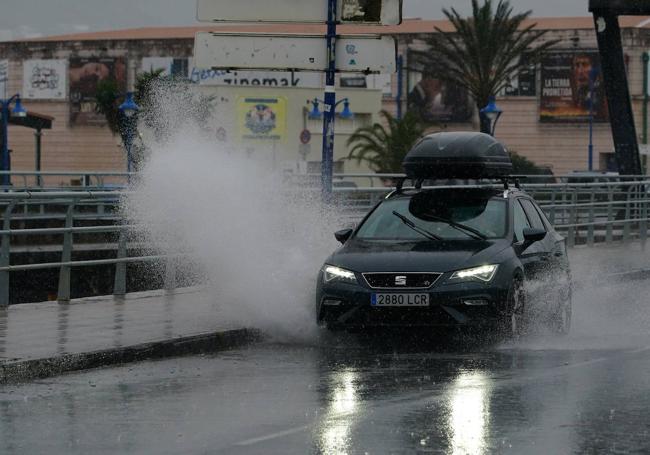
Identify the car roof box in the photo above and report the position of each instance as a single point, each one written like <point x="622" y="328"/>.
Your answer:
<point x="464" y="155"/>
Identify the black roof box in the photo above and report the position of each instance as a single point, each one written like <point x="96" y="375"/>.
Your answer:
<point x="465" y="155"/>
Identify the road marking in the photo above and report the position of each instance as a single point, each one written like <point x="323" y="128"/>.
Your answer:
<point x="250" y="442"/>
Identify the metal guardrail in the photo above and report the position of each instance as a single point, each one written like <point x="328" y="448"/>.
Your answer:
<point x="56" y="180"/>
<point x="586" y="213"/>
<point x="71" y="199"/>
<point x="114" y="180"/>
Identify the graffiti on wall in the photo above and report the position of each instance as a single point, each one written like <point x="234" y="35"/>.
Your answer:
<point x="44" y="79"/>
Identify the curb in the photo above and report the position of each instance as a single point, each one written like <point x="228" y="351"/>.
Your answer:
<point x="20" y="371"/>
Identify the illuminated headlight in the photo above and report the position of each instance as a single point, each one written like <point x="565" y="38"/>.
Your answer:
<point x="482" y="273"/>
<point x="331" y="273"/>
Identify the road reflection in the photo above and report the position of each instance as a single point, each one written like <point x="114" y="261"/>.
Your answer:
<point x="340" y="414"/>
<point x="469" y="413"/>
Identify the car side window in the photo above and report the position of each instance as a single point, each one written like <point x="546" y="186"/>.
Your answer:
<point x="543" y="216"/>
<point x="533" y="216"/>
<point x="520" y="222"/>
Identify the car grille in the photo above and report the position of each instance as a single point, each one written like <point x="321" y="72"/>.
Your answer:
<point x="401" y="280"/>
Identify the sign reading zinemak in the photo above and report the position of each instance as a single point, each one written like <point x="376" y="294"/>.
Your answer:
<point x="362" y="54"/>
<point x="386" y="12"/>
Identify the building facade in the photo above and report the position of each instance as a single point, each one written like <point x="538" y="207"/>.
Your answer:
<point x="546" y="115"/>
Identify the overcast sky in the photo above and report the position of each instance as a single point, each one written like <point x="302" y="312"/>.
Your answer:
<point x="31" y="18"/>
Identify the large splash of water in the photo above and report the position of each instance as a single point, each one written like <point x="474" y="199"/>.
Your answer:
<point x="258" y="241"/>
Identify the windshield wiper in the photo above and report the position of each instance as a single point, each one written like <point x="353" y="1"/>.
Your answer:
<point x="419" y="230"/>
<point x="478" y="235"/>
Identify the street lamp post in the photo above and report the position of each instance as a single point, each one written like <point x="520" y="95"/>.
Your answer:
<point x="328" y="144"/>
<point x="315" y="112"/>
<point x="18" y="111"/>
<point x="491" y="114"/>
<point x="593" y="74"/>
<point x="129" y="110"/>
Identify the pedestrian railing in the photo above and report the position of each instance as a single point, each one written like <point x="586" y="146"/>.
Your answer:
<point x="71" y="200"/>
<point x="68" y="180"/>
<point x="587" y="213"/>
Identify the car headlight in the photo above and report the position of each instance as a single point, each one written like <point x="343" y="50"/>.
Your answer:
<point x="332" y="273"/>
<point x="483" y="273"/>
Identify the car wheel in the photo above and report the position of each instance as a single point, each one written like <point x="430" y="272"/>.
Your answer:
<point x="513" y="322"/>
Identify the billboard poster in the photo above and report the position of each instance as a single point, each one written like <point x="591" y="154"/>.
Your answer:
<point x="437" y="101"/>
<point x="4" y="77"/>
<point x="565" y="88"/>
<point x="262" y="119"/>
<point x="523" y="83"/>
<point x="84" y="75"/>
<point x="44" y="79"/>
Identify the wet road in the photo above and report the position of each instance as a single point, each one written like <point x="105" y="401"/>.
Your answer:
<point x="587" y="393"/>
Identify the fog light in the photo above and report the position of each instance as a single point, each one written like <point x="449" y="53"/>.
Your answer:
<point x="332" y="302"/>
<point x="475" y="302"/>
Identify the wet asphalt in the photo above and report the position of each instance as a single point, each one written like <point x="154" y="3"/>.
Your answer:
<point x="385" y="392"/>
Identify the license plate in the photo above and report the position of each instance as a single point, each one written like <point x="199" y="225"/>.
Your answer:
<point x="407" y="300"/>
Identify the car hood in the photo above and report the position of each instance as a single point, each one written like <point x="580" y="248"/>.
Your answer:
<point x="439" y="256"/>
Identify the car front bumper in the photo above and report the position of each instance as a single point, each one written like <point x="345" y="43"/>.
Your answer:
<point x="461" y="304"/>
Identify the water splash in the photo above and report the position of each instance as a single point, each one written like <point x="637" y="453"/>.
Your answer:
<point x="258" y="241"/>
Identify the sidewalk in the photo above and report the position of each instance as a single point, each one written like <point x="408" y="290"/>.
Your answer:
<point x="45" y="339"/>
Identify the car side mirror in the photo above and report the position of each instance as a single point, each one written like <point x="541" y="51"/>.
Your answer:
<point x="532" y="235"/>
<point x="343" y="235"/>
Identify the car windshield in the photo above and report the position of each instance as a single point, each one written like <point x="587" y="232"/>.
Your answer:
<point x="446" y="214"/>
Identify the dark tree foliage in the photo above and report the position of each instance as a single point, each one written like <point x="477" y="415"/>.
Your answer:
<point x="484" y="51"/>
<point x="384" y="146"/>
<point x="523" y="166"/>
<point x="107" y="103"/>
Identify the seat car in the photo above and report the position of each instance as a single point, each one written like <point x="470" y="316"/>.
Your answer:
<point x="449" y="256"/>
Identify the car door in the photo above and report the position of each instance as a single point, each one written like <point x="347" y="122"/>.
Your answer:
<point x="556" y="243"/>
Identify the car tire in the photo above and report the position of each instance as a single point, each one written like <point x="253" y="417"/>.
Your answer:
<point x="513" y="320"/>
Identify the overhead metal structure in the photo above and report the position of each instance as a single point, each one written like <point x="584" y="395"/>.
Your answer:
<point x="608" y="33"/>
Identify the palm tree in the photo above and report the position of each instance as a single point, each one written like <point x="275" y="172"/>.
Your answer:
<point x="384" y="147"/>
<point x="484" y="52"/>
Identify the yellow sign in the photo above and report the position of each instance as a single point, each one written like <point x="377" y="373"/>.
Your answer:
<point x="262" y="119"/>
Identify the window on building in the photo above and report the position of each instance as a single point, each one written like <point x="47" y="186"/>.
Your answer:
<point x="180" y="67"/>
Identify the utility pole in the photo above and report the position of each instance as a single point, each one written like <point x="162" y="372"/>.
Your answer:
<point x="330" y="104"/>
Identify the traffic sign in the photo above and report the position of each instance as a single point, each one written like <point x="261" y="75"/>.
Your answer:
<point x="385" y="12"/>
<point x="305" y="136"/>
<point x="359" y="54"/>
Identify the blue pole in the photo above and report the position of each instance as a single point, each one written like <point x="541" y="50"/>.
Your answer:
<point x="5" y="145"/>
<point x="329" y="106"/>
<point x="129" y="144"/>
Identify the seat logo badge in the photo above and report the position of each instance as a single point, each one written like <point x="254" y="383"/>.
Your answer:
<point x="400" y="280"/>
